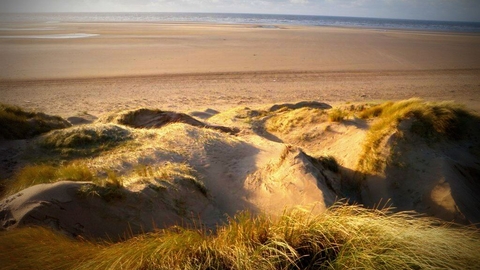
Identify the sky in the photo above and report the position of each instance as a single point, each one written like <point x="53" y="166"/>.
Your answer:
<point x="446" y="10"/>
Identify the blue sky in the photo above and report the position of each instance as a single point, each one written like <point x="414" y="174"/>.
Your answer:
<point x="457" y="10"/>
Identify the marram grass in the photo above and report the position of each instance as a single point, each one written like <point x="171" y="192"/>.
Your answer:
<point x="344" y="237"/>
<point x="433" y="121"/>
<point x="43" y="174"/>
<point x="17" y="123"/>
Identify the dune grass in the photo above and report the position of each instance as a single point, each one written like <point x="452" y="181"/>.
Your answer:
<point x="109" y="187"/>
<point x="42" y="174"/>
<point x="17" y="123"/>
<point x="171" y="172"/>
<point x="287" y="120"/>
<point x="337" y="115"/>
<point x="344" y="237"/>
<point x="431" y="121"/>
<point x="85" y="140"/>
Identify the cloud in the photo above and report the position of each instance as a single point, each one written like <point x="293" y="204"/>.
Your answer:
<point x="299" y="1"/>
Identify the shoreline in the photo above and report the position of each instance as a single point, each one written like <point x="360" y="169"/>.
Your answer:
<point x="193" y="66"/>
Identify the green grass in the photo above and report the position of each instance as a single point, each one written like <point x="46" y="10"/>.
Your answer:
<point x="42" y="174"/>
<point x="431" y="121"/>
<point x="17" y="123"/>
<point x="345" y="237"/>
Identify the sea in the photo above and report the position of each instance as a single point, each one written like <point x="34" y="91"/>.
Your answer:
<point x="262" y="20"/>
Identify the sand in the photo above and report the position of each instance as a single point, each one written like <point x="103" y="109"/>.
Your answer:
<point x="81" y="71"/>
<point x="186" y="67"/>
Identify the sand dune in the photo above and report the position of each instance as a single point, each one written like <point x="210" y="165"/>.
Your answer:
<point x="174" y="171"/>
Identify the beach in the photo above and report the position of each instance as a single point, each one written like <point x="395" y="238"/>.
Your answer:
<point x="102" y="67"/>
<point x="237" y="146"/>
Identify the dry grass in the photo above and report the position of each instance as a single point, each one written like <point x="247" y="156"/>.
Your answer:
<point x="287" y="120"/>
<point x="17" y="123"/>
<point x="85" y="140"/>
<point x="432" y="121"/>
<point x="42" y="174"/>
<point x="41" y="248"/>
<point x="345" y="237"/>
<point x="109" y="187"/>
<point x="168" y="172"/>
<point x="337" y="115"/>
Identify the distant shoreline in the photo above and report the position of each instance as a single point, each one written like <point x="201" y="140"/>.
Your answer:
<point x="186" y="67"/>
<point x="245" y="18"/>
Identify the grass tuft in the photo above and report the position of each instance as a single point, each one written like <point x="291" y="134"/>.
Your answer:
<point x="175" y="173"/>
<point x="17" y="123"/>
<point x="43" y="174"/>
<point x="286" y="120"/>
<point x="85" y="140"/>
<point x="337" y="115"/>
<point x="344" y="237"/>
<point x="431" y="121"/>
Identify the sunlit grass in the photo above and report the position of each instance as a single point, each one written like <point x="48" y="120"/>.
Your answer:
<point x="431" y="121"/>
<point x="345" y="237"/>
<point x="168" y="172"/>
<point x="42" y="174"/>
<point x="287" y="120"/>
<point x="85" y="140"/>
<point x="337" y="115"/>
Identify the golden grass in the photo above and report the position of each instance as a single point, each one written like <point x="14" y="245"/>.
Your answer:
<point x="171" y="172"/>
<point x="17" y="123"/>
<point x="344" y="237"/>
<point x="287" y="120"/>
<point x="86" y="139"/>
<point x="41" y="248"/>
<point x="337" y="115"/>
<point x="108" y="188"/>
<point x="432" y="121"/>
<point x="42" y="174"/>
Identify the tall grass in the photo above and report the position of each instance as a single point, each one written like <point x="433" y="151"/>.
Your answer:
<point x="286" y="120"/>
<point x="432" y="121"/>
<point x="42" y="174"/>
<point x="344" y="237"/>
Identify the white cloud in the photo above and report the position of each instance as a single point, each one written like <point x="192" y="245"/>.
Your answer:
<point x="299" y="1"/>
